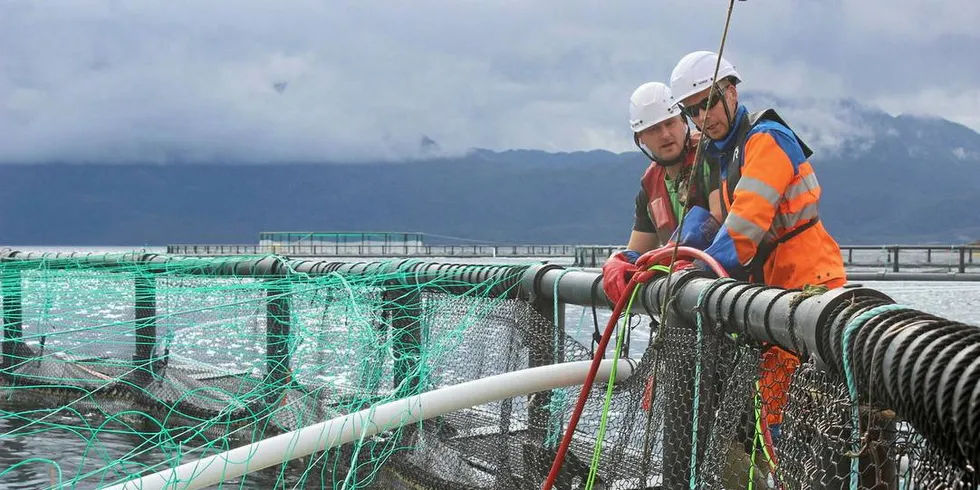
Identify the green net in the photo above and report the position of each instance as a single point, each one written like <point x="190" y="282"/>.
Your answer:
<point x="137" y="363"/>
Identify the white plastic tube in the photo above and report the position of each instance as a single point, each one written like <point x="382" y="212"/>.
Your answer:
<point x="341" y="430"/>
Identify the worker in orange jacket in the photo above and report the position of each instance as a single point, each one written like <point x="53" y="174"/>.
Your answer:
<point x="771" y="231"/>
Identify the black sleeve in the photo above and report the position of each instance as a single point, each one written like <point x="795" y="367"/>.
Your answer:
<point x="641" y="217"/>
<point x="704" y="185"/>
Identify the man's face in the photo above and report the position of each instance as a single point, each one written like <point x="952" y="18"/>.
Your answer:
<point x="666" y="138"/>
<point x="712" y="121"/>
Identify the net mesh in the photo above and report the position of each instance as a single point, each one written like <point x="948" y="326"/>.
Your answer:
<point x="114" y="371"/>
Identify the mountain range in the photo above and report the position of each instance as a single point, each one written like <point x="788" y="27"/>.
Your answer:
<point x="885" y="179"/>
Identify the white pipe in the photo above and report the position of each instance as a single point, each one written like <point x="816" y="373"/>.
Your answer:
<point x="356" y="426"/>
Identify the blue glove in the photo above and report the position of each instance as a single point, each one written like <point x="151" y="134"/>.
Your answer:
<point x="699" y="229"/>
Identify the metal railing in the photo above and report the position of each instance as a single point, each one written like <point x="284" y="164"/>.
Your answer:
<point x="380" y="250"/>
<point x="893" y="262"/>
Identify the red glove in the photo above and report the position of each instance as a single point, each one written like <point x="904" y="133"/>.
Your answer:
<point x="616" y="273"/>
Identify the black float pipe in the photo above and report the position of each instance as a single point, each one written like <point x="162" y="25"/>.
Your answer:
<point x="457" y="279"/>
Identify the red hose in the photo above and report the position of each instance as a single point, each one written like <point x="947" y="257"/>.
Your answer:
<point x="701" y="255"/>
<point x="656" y="258"/>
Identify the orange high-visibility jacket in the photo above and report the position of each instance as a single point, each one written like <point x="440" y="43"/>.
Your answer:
<point x="772" y="232"/>
<point x="770" y="197"/>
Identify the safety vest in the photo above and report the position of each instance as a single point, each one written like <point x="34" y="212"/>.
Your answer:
<point x="729" y="180"/>
<point x="659" y="207"/>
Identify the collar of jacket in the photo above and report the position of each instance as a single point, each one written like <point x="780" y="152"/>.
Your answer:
<point x="726" y="144"/>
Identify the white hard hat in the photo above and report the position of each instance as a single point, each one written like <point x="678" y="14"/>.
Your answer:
<point x="695" y="72"/>
<point x="651" y="103"/>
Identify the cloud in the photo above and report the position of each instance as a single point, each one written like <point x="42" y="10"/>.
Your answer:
<point x="958" y="105"/>
<point x="826" y="125"/>
<point x="183" y="80"/>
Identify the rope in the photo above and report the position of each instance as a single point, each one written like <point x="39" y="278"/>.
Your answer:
<point x="759" y="442"/>
<point x="697" y="151"/>
<point x="695" y="406"/>
<point x="597" y="451"/>
<point x="849" y="330"/>
<point x="559" y="399"/>
<point x="557" y="307"/>
<point x="757" y="407"/>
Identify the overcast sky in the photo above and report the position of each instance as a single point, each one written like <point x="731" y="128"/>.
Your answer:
<point x="104" y="80"/>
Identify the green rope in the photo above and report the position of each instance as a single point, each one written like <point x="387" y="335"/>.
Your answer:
<point x="849" y="331"/>
<point x="559" y="399"/>
<point x="695" y="407"/>
<point x="758" y="442"/>
<point x="696" y="404"/>
<point x="557" y="307"/>
<point x="757" y="406"/>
